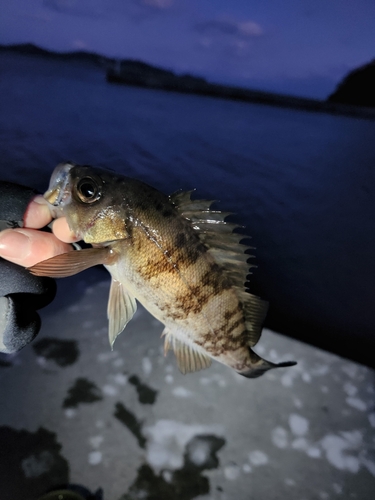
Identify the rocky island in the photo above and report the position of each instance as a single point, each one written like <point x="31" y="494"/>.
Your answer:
<point x="357" y="88"/>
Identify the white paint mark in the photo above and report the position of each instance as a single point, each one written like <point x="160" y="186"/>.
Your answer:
<point x="232" y="472"/>
<point x="120" y="379"/>
<point x="95" y="457"/>
<point x="70" y="412"/>
<point x="167" y="476"/>
<point x="118" y="362"/>
<point x="290" y="482"/>
<point x="38" y="464"/>
<point x="87" y="324"/>
<point x="273" y="355"/>
<point x="350" y="369"/>
<point x="261" y="350"/>
<point x="74" y="308"/>
<point x="247" y="468"/>
<point x="323" y="495"/>
<point x="109" y="390"/>
<point x="204" y="380"/>
<point x="354" y="438"/>
<point x="337" y="488"/>
<point x="104" y="357"/>
<point x="350" y="389"/>
<point x="297" y="403"/>
<point x="298" y="425"/>
<point x="279" y="437"/>
<point x="300" y="444"/>
<point x="169" y="379"/>
<point x="357" y="403"/>
<point x="336" y="452"/>
<point x="96" y="441"/>
<point x="313" y="452"/>
<point x="320" y="370"/>
<point x="324" y="389"/>
<point x="257" y="457"/>
<point x="41" y="361"/>
<point x="371" y="419"/>
<point x="166" y="441"/>
<point x="215" y="379"/>
<point x="181" y="392"/>
<point x="286" y="380"/>
<point x="306" y="377"/>
<point x="369" y="464"/>
<point x="146" y="366"/>
<point x="199" y="452"/>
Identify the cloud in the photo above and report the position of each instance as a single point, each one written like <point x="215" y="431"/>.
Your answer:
<point x="228" y="37"/>
<point x="230" y="28"/>
<point x="84" y="8"/>
<point x="109" y="8"/>
<point x="80" y="44"/>
<point x="36" y="16"/>
<point x="158" y="4"/>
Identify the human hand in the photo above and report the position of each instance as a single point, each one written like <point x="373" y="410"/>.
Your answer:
<point x="21" y="293"/>
<point x="26" y="246"/>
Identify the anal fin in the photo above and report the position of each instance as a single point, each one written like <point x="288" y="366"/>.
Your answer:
<point x="121" y="309"/>
<point x="189" y="359"/>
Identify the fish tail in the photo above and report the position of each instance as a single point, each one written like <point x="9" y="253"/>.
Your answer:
<point x="258" y="366"/>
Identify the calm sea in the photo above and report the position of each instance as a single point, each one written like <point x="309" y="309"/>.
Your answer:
<point x="302" y="183"/>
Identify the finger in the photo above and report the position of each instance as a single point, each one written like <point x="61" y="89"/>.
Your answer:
<point x="37" y="214"/>
<point x="61" y="230"/>
<point x="26" y="247"/>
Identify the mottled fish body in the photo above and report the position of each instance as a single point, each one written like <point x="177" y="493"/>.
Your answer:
<point x="177" y="257"/>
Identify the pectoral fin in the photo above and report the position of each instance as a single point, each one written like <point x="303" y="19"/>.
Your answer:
<point x="70" y="263"/>
<point x="121" y="309"/>
<point x="189" y="359"/>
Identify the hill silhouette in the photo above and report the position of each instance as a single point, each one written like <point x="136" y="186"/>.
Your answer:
<point x="138" y="73"/>
<point x="357" y="88"/>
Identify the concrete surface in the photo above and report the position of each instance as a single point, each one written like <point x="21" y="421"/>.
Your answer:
<point x="127" y="421"/>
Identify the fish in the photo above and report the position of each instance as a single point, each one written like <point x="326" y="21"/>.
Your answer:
<point x="175" y="255"/>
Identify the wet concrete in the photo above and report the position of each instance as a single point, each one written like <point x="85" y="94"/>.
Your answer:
<point x="82" y="391"/>
<point x="127" y="421"/>
<point x="62" y="352"/>
<point x="31" y="462"/>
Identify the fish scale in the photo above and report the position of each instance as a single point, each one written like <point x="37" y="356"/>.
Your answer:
<point x="176" y="256"/>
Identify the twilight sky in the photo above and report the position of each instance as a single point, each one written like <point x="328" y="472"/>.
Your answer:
<point x="301" y="47"/>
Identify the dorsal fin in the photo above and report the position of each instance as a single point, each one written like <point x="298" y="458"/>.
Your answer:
<point x="227" y="250"/>
<point x="217" y="234"/>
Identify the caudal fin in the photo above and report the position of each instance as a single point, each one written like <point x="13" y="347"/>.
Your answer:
<point x="258" y="366"/>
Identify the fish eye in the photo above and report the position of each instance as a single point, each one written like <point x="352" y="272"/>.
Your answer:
<point x="88" y="190"/>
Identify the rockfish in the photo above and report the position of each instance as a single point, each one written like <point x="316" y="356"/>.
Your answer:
<point x="177" y="257"/>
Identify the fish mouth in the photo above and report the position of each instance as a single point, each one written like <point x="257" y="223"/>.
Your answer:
<point x="59" y="192"/>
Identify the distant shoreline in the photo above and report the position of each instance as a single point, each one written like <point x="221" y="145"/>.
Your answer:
<point x="137" y="73"/>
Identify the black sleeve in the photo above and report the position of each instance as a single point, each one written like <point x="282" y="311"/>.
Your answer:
<point x="21" y="293"/>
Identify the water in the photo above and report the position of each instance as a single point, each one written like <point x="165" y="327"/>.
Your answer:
<point x="302" y="183"/>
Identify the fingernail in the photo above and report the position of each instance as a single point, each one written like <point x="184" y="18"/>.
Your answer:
<point x="40" y="200"/>
<point x="14" y="244"/>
